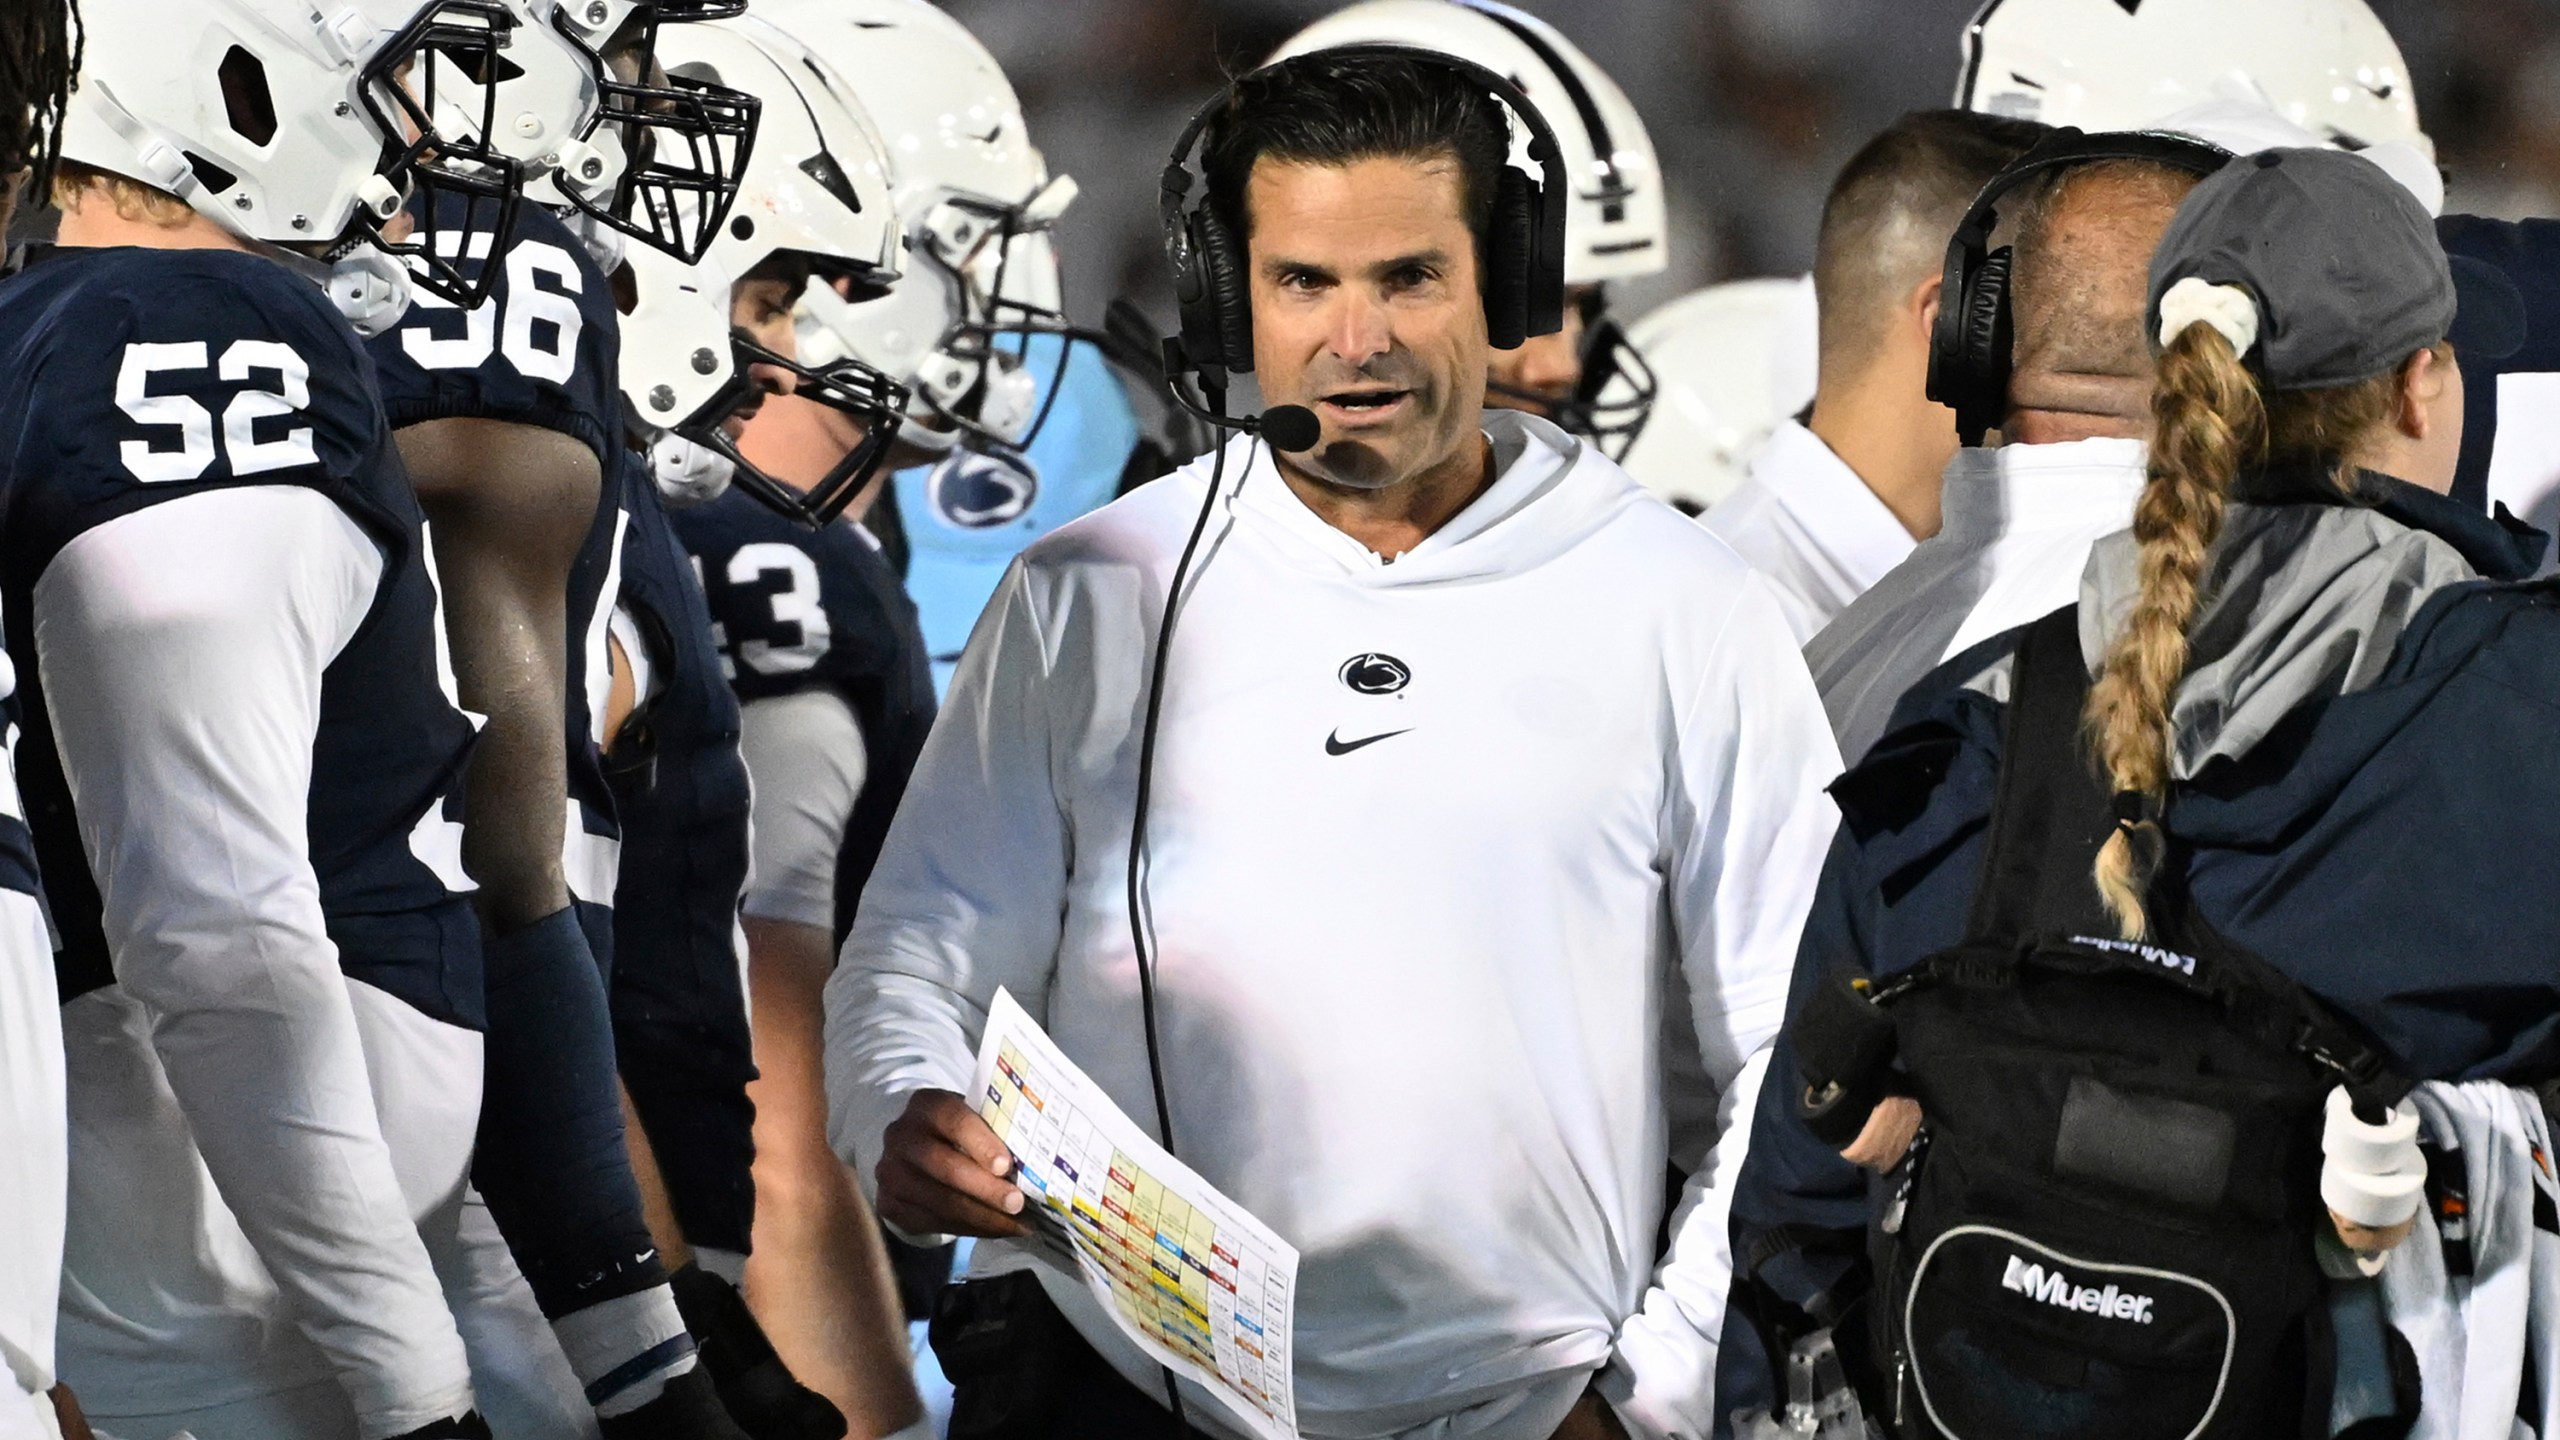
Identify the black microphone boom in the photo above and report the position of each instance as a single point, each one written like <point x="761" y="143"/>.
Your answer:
<point x="1282" y="427"/>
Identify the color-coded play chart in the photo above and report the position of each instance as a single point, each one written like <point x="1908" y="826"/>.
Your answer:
<point x="1202" y="1286"/>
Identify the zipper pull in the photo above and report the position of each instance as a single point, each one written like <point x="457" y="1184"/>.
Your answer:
<point x="1909" y="1174"/>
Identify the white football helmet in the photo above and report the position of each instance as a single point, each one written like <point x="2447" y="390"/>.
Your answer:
<point x="816" y="187"/>
<point x="1614" y="227"/>
<point x="2328" y="66"/>
<point x="548" y="99"/>
<point x="680" y="374"/>
<point x="1731" y="361"/>
<point x="597" y="23"/>
<point x="976" y="202"/>
<point x="286" y="122"/>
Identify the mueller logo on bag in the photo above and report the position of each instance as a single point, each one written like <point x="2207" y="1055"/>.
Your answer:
<point x="2165" y="959"/>
<point x="2054" y="1288"/>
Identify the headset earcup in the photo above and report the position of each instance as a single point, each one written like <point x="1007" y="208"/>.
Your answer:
<point x="1987" y="340"/>
<point x="1510" y="260"/>
<point x="1969" y="347"/>
<point x="1223" y="270"/>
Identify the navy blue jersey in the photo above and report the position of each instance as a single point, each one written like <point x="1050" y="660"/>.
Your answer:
<point x="800" y="610"/>
<point x="140" y="376"/>
<point x="679" y="999"/>
<point x="543" y="350"/>
<point x="678" y="779"/>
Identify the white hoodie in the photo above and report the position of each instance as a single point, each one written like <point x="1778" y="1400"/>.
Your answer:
<point x="1415" y="945"/>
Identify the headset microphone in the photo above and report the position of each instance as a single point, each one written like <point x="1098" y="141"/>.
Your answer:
<point x="1290" y="427"/>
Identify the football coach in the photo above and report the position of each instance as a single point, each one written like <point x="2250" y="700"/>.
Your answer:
<point x="1481" y="798"/>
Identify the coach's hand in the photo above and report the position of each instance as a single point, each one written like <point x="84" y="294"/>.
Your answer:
<point x="1887" y="1136"/>
<point x="943" y="1172"/>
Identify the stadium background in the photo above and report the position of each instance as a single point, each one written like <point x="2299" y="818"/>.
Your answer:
<point x="1753" y="104"/>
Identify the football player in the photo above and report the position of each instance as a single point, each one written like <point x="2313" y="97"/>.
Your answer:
<point x="976" y="203"/>
<point x="507" y="417"/>
<point x="1013" y="427"/>
<point x="814" y="209"/>
<point x="1614" y="227"/>
<point x="37" y="44"/>
<point x="1731" y="362"/>
<point x="241" y="746"/>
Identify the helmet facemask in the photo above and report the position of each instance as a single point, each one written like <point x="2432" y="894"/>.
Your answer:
<point x="1612" y="399"/>
<point x="860" y="392"/>
<point x="684" y="140"/>
<point x="398" y="88"/>
<point x="974" y="274"/>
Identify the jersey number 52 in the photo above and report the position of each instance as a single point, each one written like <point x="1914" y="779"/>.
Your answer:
<point x="246" y="361"/>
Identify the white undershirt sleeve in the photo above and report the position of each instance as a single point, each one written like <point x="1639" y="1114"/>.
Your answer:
<point x="181" y="649"/>
<point x="1747" y="831"/>
<point x="804" y="752"/>
<point x="969" y="894"/>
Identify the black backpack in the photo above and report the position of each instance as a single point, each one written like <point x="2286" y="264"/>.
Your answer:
<point x="2105" y="1230"/>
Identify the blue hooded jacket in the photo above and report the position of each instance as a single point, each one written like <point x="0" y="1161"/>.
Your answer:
<point x="2366" y="764"/>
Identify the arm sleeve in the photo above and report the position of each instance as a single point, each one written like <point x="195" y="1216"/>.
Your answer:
<point x="969" y="894"/>
<point x="181" y="649"/>
<point x="804" y="752"/>
<point x="1747" y="831"/>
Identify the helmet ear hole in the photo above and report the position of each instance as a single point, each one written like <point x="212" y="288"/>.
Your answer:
<point x="247" y="102"/>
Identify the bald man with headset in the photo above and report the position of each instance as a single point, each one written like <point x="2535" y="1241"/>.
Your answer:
<point x="1460" y="765"/>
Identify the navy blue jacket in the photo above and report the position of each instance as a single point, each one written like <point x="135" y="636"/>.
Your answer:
<point x="2389" y="848"/>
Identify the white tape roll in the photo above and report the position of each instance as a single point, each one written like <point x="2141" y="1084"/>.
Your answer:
<point x="2371" y="1174"/>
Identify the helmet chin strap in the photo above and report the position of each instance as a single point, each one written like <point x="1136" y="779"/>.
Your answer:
<point x="687" y="473"/>
<point x="922" y="436"/>
<point x="1008" y="399"/>
<point x="370" y="289"/>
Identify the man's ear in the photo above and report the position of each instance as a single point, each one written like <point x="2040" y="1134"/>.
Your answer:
<point x="2421" y="380"/>
<point x="1920" y="307"/>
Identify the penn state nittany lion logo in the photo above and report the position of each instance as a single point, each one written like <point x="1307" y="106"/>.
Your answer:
<point x="974" y="491"/>
<point x="1375" y="674"/>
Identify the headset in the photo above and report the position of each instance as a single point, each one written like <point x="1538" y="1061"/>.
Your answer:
<point x="1969" y="350"/>
<point x="1523" y="250"/>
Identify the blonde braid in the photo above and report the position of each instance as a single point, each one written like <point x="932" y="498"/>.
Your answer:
<point x="2208" y="421"/>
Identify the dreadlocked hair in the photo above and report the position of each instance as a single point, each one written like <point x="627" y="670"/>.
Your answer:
<point x="2209" y="422"/>
<point x="40" y="44"/>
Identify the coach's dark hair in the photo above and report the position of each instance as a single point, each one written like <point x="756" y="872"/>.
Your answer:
<point x="1892" y="208"/>
<point x="39" y="63"/>
<point x="1321" y="109"/>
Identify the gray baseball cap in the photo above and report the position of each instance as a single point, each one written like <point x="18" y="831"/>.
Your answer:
<point x="2343" y="263"/>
